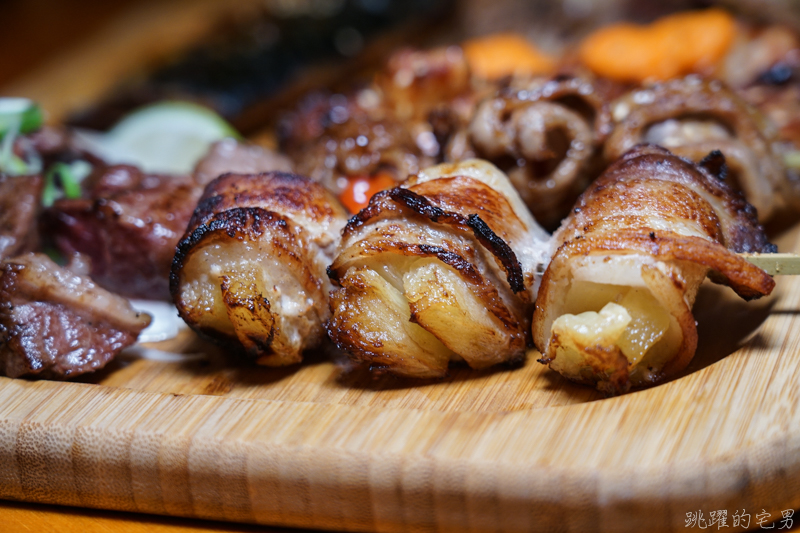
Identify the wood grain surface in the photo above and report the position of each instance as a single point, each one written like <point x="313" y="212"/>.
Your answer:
<point x="323" y="446"/>
<point x="512" y="449"/>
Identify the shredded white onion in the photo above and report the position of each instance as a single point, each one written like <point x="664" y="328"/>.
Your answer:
<point x="140" y="352"/>
<point x="166" y="323"/>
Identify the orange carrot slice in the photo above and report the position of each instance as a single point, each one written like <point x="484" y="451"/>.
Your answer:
<point x="504" y="54"/>
<point x="671" y="46"/>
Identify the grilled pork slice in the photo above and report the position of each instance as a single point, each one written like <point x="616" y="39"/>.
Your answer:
<point x="56" y="324"/>
<point x="20" y="198"/>
<point x="614" y="309"/>
<point x="546" y="134"/>
<point x="250" y="271"/>
<point x="441" y="268"/>
<point x="692" y="117"/>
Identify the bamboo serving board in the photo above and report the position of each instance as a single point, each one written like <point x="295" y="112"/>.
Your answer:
<point x="510" y="449"/>
<point x="322" y="446"/>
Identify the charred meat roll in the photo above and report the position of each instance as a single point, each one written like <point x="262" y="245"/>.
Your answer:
<point x="250" y="271"/>
<point x="545" y="134"/>
<point x="614" y="308"/>
<point x="441" y="268"/>
<point x="57" y="324"/>
<point x="693" y="117"/>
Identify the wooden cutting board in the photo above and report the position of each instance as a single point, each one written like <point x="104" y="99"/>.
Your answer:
<point x="507" y="449"/>
<point x="320" y="446"/>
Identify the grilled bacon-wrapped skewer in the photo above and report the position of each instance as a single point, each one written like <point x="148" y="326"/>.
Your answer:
<point x="545" y="133"/>
<point x="57" y="324"/>
<point x="250" y="271"/>
<point x="441" y="268"/>
<point x="693" y="117"/>
<point x="614" y="308"/>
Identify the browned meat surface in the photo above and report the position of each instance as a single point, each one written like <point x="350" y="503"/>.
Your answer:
<point x="545" y="134"/>
<point x="128" y="223"/>
<point x="614" y="309"/>
<point x="415" y="82"/>
<point x="692" y="117"/>
<point x="56" y="324"/>
<point x="347" y="139"/>
<point x="19" y="207"/>
<point x="441" y="268"/>
<point x="380" y="129"/>
<point x="229" y="155"/>
<point x="250" y="271"/>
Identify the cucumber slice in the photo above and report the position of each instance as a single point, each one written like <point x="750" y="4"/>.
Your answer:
<point x="167" y="137"/>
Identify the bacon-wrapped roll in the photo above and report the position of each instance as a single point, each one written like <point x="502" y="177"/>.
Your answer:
<point x="545" y="134"/>
<point x="250" y="271"/>
<point x="614" y="308"/>
<point x="441" y="268"/>
<point x="692" y="117"/>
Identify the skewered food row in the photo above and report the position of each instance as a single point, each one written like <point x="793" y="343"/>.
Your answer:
<point x="446" y="267"/>
<point x="552" y="134"/>
<point x="453" y="259"/>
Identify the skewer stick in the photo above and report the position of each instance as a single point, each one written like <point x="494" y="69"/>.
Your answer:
<point x="776" y="264"/>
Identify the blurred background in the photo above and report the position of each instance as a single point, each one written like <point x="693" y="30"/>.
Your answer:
<point x="90" y="61"/>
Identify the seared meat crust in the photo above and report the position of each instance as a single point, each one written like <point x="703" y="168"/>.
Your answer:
<point x="56" y="324"/>
<point x="128" y="225"/>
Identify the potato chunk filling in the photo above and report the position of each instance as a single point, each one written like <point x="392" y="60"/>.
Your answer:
<point x="620" y="318"/>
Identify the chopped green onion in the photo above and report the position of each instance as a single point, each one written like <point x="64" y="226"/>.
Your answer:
<point x="17" y="115"/>
<point x="20" y="115"/>
<point x="64" y="180"/>
<point x="53" y="253"/>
